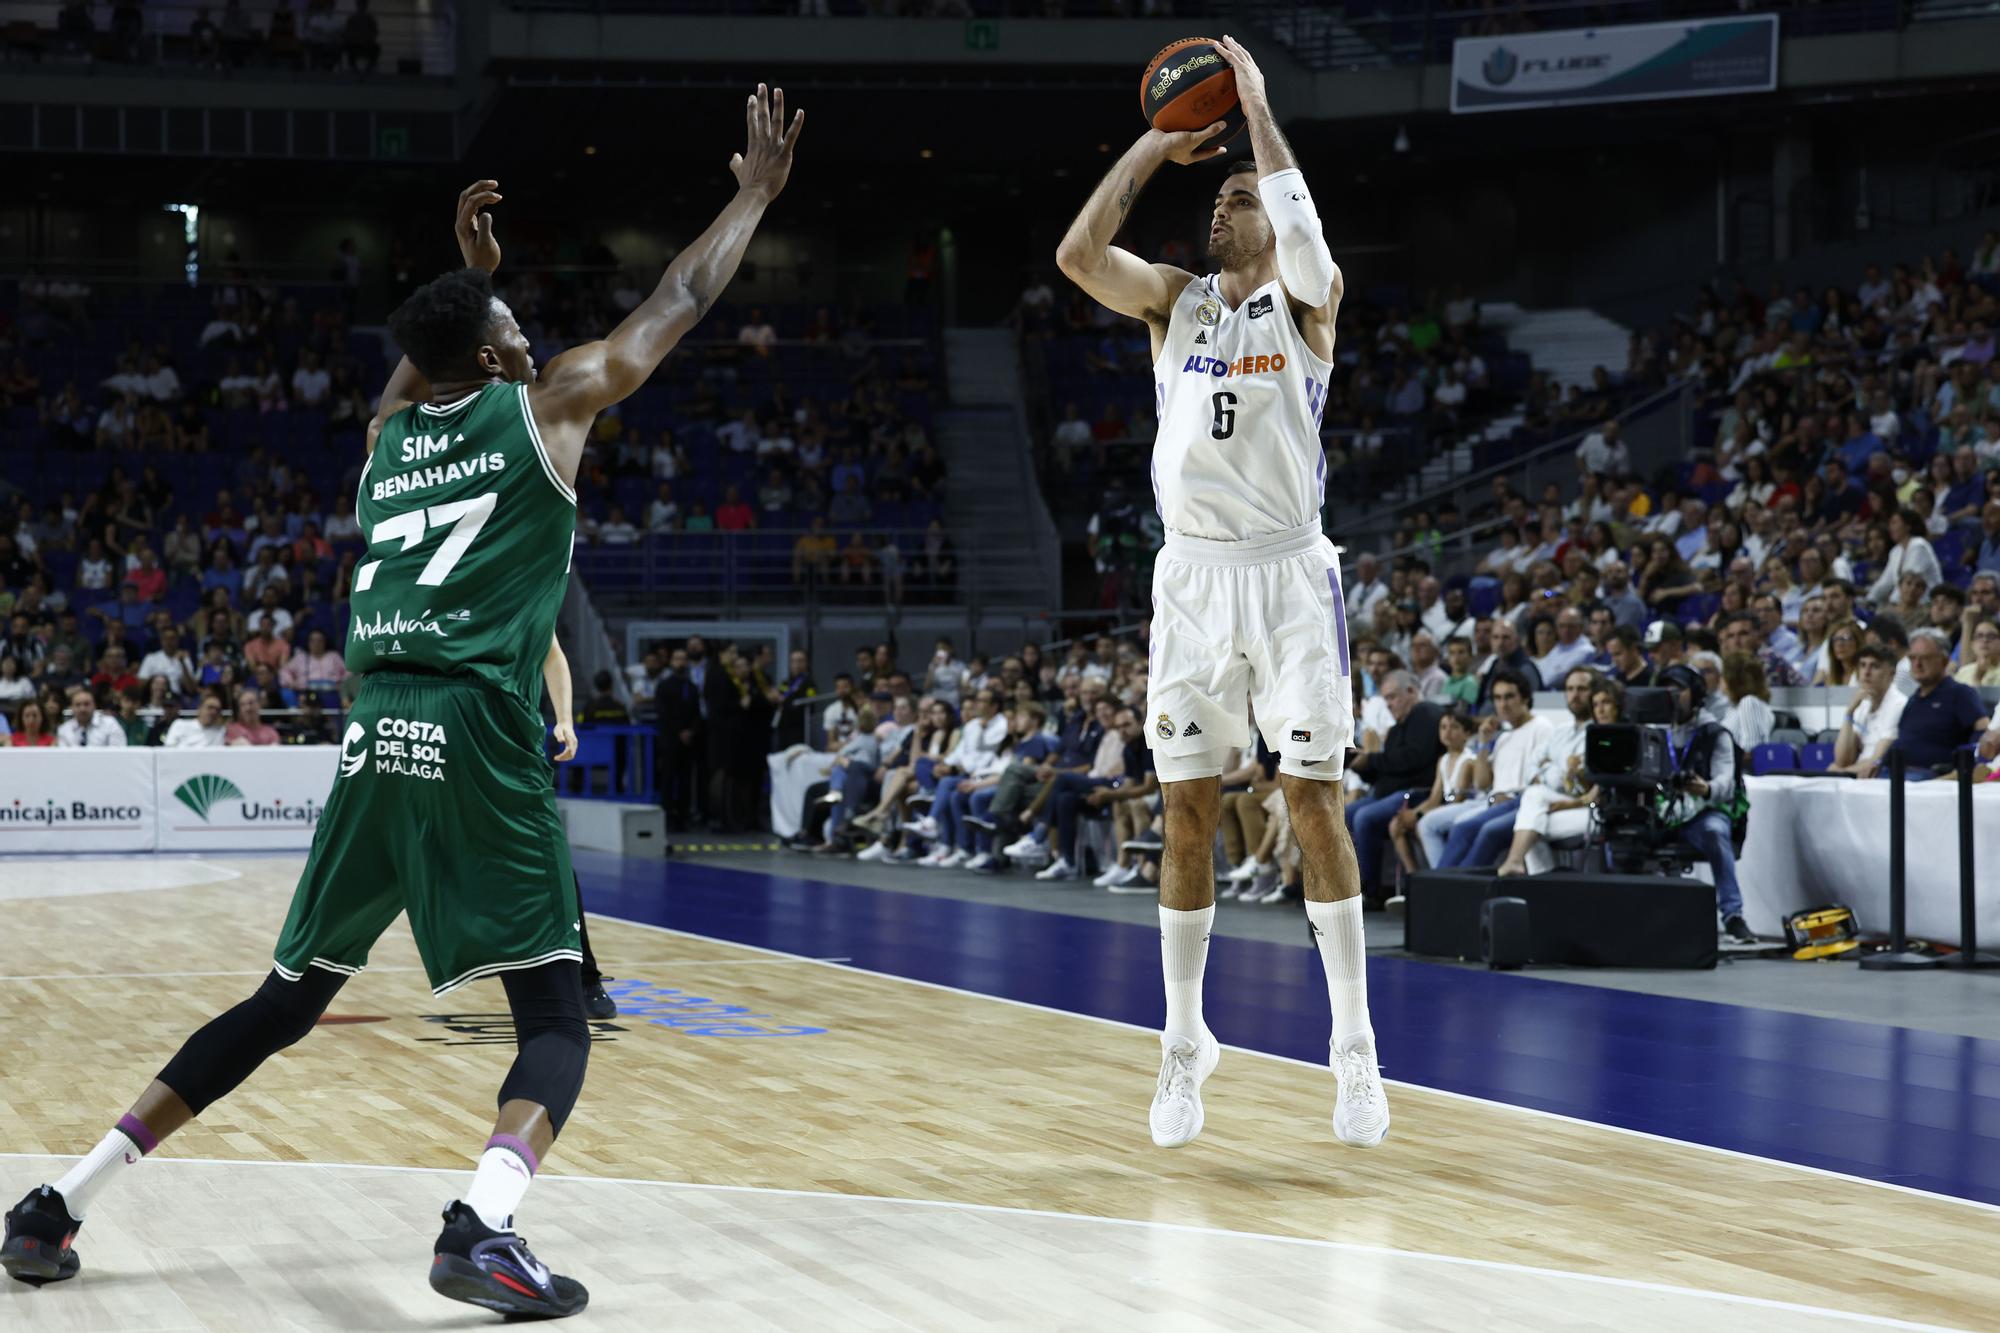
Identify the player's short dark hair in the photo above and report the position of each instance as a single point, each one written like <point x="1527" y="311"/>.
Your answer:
<point x="1890" y="630"/>
<point x="1626" y="635"/>
<point x="1950" y="592"/>
<point x="1509" y="676"/>
<point x="1875" y="652"/>
<point x="444" y="322"/>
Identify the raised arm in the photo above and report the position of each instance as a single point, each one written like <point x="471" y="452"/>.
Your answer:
<point x="585" y="380"/>
<point x="472" y="226"/>
<point x="1305" y="265"/>
<point x="1118" y="278"/>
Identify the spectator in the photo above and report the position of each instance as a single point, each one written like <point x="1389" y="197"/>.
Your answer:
<point x="310" y="725"/>
<point x="813" y="553"/>
<point x="775" y="495"/>
<point x="1874" y="711"/>
<point x="1843" y="649"/>
<point x="1570" y="649"/>
<point x="698" y="519"/>
<point x="1909" y="551"/>
<point x="1749" y="719"/>
<point x="1556" y="805"/>
<point x="265" y="648"/>
<point x="839" y="718"/>
<point x="1510" y="742"/>
<point x="617" y="529"/>
<point x="135" y="727"/>
<point x="205" y="730"/>
<point x="944" y="676"/>
<point x="31" y="728"/>
<point x="1942" y="715"/>
<point x="732" y="515"/>
<point x="1406" y="764"/>
<point x="14" y="685"/>
<point x="1629" y="666"/>
<point x="1603" y="452"/>
<point x="249" y="728"/>
<point x="603" y="708"/>
<point x="756" y="333"/>
<point x="1741" y="633"/>
<point x="851" y="507"/>
<point x="313" y="670"/>
<point x="663" y="514"/>
<point x="1665" y="644"/>
<point x="170" y="661"/>
<point x="113" y="672"/>
<point x="360" y="40"/>
<point x="1982" y="654"/>
<point x="87" y="727"/>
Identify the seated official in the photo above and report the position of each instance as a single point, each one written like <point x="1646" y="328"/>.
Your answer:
<point x="1708" y="786"/>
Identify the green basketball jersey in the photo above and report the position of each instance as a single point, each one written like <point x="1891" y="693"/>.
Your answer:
<point x="469" y="532"/>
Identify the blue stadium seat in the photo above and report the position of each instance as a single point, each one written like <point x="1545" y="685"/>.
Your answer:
<point x="1816" y="758"/>
<point x="1772" y="756"/>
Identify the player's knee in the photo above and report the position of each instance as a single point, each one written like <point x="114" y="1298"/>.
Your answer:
<point x="288" y="1010"/>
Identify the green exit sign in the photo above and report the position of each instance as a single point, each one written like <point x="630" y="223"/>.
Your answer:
<point x="392" y="141"/>
<point x="982" y="35"/>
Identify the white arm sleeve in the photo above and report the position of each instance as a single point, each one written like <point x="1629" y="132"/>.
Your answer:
<point x="1304" y="262"/>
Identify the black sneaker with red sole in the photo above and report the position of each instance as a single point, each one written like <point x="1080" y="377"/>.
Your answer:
<point x="35" y="1249"/>
<point x="496" y="1270"/>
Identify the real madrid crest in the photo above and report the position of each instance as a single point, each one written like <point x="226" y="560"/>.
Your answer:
<point x="1164" y="727"/>
<point x="1209" y="312"/>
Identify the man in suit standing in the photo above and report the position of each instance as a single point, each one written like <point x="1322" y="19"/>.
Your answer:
<point x="677" y="715"/>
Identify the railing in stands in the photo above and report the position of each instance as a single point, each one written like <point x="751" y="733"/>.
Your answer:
<point x="727" y="571"/>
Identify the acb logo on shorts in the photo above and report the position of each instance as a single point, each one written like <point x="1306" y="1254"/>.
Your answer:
<point x="1164" y="728"/>
<point x="1302" y="737"/>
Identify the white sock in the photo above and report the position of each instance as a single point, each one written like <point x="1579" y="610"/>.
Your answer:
<point x="1337" y="931"/>
<point x="1183" y="959"/>
<point x="116" y="1151"/>
<point x="506" y="1169"/>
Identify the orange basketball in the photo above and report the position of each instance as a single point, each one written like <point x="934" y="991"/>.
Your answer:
<point x="1189" y="86"/>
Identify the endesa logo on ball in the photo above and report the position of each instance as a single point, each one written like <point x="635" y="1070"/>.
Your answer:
<point x="1242" y="365"/>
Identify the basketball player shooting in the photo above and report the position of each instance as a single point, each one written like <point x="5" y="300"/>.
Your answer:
<point x="1246" y="592"/>
<point x="443" y="804"/>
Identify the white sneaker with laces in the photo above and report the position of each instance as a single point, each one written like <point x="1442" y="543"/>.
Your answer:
<point x="959" y="856"/>
<point x="1060" y="868"/>
<point x="1361" y="1110"/>
<point x="1176" y="1115"/>
<point x="980" y="862"/>
<point x="1245" y="871"/>
<point x="1025" y="846"/>
<point x="874" y="851"/>
<point x="1259" y="890"/>
<point x="1114" y="875"/>
<point x="925" y="827"/>
<point x="936" y="857"/>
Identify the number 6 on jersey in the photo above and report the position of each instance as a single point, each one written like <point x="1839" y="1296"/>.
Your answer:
<point x="464" y="517"/>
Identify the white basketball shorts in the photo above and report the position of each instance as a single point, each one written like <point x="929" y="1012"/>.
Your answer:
<point x="1258" y="622"/>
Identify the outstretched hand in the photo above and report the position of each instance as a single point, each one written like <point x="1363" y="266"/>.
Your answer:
<point x="1249" y="79"/>
<point x="565" y="742"/>
<point x="474" y="226"/>
<point x="766" y="161"/>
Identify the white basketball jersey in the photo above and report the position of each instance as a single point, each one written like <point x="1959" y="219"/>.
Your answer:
<point x="1239" y="398"/>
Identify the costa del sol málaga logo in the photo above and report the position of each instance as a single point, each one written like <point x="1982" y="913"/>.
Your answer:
<point x="200" y="793"/>
<point x="1501" y="66"/>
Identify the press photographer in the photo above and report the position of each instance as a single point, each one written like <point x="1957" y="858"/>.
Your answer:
<point x="1673" y="787"/>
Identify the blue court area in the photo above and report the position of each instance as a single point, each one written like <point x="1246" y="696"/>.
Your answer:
<point x="1917" y="1109"/>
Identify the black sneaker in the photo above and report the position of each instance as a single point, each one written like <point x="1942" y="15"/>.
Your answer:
<point x="1738" y="930"/>
<point x="36" y="1249"/>
<point x="599" y="1005"/>
<point x="496" y="1270"/>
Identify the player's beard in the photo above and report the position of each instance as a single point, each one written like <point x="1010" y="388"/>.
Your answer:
<point x="1230" y="252"/>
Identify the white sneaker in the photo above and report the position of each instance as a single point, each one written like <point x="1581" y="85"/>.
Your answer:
<point x="936" y="857"/>
<point x="980" y="862"/>
<point x="1396" y="906"/>
<point x="1117" y="874"/>
<point x="1245" y="871"/>
<point x="1225" y="890"/>
<point x="1025" y="846"/>
<point x="874" y="851"/>
<point x="1361" y="1111"/>
<point x="959" y="856"/>
<point x="1176" y="1115"/>
<point x="1136" y="884"/>
<point x="1060" y="868"/>
<point x="1274" y="894"/>
<point x="925" y="827"/>
<point x="1260" y="885"/>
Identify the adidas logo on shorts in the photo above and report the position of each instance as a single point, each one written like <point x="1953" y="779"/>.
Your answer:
<point x="1193" y="729"/>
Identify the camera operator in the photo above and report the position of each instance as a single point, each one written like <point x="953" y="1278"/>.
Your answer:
<point x="1697" y="806"/>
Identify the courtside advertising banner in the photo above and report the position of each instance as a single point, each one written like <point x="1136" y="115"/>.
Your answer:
<point x="257" y="798"/>
<point x="76" y="801"/>
<point x="1641" y="63"/>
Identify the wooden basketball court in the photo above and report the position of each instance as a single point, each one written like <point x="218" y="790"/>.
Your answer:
<point x="767" y="1141"/>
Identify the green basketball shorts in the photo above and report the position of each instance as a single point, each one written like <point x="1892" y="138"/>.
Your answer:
<point x="443" y="807"/>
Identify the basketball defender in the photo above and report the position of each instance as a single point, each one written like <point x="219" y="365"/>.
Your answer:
<point x="443" y="805"/>
<point x="1246" y="592"/>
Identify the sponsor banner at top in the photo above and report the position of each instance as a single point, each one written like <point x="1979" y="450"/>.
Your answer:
<point x="1640" y="63"/>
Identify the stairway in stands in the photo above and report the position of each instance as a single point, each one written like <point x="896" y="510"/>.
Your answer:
<point x="1566" y="344"/>
<point x="992" y="504"/>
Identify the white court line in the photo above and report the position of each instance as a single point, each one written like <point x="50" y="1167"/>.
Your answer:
<point x="259" y="972"/>
<point x="1310" y="1064"/>
<point x="1179" y="1228"/>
